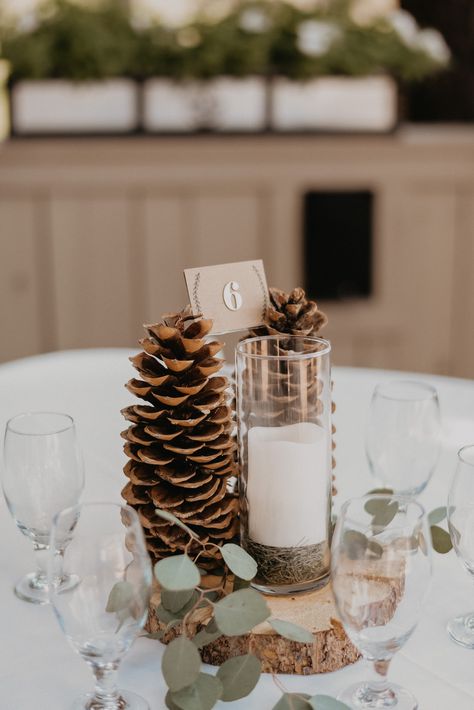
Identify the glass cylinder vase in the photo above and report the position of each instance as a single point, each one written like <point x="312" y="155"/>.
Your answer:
<point x="284" y="434"/>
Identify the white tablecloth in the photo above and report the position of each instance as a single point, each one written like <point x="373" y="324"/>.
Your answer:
<point x="39" y="671"/>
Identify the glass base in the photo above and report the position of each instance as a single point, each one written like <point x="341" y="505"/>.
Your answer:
<point x="361" y="697"/>
<point x="33" y="588"/>
<point x="461" y="630"/>
<point x="273" y="589"/>
<point x="126" y="701"/>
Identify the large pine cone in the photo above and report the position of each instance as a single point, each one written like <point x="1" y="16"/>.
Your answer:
<point x="179" y="441"/>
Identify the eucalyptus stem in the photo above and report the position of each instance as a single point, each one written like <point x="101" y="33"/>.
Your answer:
<point x="186" y="618"/>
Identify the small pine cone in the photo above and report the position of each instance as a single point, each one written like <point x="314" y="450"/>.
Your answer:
<point x="179" y="443"/>
<point x="291" y="313"/>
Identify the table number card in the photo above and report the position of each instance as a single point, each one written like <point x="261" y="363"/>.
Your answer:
<point x="234" y="295"/>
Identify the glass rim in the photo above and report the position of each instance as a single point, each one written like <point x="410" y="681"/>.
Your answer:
<point x="290" y="356"/>
<point x="406" y="500"/>
<point x="461" y="454"/>
<point x="431" y="391"/>
<point x="23" y="415"/>
<point x="95" y="504"/>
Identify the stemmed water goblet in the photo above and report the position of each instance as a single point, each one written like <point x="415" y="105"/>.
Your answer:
<point x="102" y="615"/>
<point x="43" y="473"/>
<point x="404" y="435"/>
<point x="461" y="528"/>
<point x="380" y="569"/>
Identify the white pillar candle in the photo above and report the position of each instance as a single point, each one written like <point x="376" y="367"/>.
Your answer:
<point x="287" y="485"/>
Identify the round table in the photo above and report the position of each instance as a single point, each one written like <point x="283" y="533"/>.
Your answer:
<point x="38" y="669"/>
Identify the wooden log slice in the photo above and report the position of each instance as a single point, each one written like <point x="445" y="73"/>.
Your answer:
<point x="316" y="611"/>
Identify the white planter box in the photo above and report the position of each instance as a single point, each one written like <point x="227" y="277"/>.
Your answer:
<point x="335" y="104"/>
<point x="58" y="106"/>
<point x="238" y="104"/>
<point x="223" y="104"/>
<point x="171" y="106"/>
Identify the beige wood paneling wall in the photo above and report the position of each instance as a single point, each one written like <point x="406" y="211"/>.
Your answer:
<point x="90" y="236"/>
<point x="94" y="235"/>
<point x="20" y="276"/>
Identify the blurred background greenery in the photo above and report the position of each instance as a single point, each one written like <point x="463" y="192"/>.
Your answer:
<point x="64" y="39"/>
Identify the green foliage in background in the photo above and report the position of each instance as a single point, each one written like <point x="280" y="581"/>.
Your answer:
<point x="73" y="42"/>
<point x="257" y="37"/>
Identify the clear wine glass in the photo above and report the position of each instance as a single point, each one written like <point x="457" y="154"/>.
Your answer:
<point x="404" y="435"/>
<point x="380" y="568"/>
<point x="43" y="473"/>
<point x="102" y="615"/>
<point x="461" y="528"/>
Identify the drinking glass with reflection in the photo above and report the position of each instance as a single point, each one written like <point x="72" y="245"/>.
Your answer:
<point x="380" y="569"/>
<point x="404" y="435"/>
<point x="461" y="529"/>
<point x="43" y="473"/>
<point x="103" y="614"/>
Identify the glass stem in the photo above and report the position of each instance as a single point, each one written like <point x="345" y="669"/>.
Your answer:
<point x="41" y="554"/>
<point x="106" y="695"/>
<point x="380" y="685"/>
<point x="377" y="693"/>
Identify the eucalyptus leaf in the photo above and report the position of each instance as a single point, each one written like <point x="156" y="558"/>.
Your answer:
<point x="156" y="635"/>
<point x="239" y="561"/>
<point x="207" y="635"/>
<point x="376" y="550"/>
<point x="441" y="540"/>
<point x="294" y="701"/>
<point x="177" y="573"/>
<point x="175" y="601"/>
<point x="240" y="611"/>
<point x="239" y="676"/>
<point x="180" y="664"/>
<point x="169" y="702"/>
<point x="372" y="506"/>
<point x="290" y="631"/>
<point x="325" y="702"/>
<point x="165" y="616"/>
<point x="355" y="544"/>
<point x="240" y="584"/>
<point x="202" y="694"/>
<point x="437" y="515"/>
<point x="166" y="515"/>
<point x="120" y="597"/>
<point x="385" y="513"/>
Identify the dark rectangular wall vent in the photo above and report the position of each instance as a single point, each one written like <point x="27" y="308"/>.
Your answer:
<point x="338" y="244"/>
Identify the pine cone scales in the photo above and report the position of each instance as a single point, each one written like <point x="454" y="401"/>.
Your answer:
<point x="179" y="444"/>
<point x="292" y="313"/>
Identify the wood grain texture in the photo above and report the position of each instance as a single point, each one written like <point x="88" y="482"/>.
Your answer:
<point x="91" y="266"/>
<point x="315" y="611"/>
<point x="20" y="278"/>
<point x="462" y="323"/>
<point x="199" y="200"/>
<point x="225" y="226"/>
<point x="166" y="250"/>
